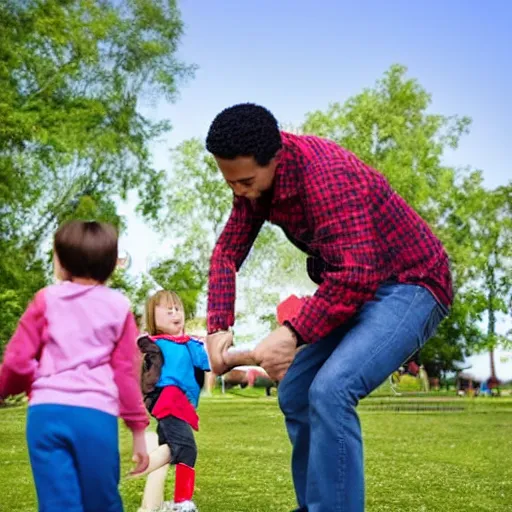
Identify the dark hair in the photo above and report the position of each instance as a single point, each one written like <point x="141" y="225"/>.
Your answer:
<point x="244" y="130"/>
<point x="87" y="249"/>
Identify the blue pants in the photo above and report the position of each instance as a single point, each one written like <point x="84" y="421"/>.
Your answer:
<point x="325" y="382"/>
<point x="74" y="454"/>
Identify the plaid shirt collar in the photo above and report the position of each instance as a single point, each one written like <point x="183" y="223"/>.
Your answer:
<point x="285" y="180"/>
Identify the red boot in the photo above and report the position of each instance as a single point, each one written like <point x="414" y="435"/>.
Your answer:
<point x="184" y="485"/>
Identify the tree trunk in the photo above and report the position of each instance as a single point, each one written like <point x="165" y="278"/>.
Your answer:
<point x="493" y="366"/>
<point x="491" y="331"/>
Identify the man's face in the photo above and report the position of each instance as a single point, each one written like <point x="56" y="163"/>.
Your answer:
<point x="245" y="177"/>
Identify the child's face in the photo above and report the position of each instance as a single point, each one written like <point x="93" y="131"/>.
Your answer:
<point x="169" y="319"/>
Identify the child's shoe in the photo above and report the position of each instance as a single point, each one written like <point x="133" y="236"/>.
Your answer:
<point x="184" y="506"/>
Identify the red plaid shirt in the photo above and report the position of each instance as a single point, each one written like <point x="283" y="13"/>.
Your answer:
<point x="357" y="231"/>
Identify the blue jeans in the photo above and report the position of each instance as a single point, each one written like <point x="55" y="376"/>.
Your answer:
<point x="325" y="382"/>
<point x="74" y="455"/>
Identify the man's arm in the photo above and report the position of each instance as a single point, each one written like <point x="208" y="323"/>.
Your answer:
<point x="229" y="253"/>
<point x="338" y="204"/>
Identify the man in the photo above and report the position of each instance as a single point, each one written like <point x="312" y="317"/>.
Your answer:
<point x="383" y="280"/>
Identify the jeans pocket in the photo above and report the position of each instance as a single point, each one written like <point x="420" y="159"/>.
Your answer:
<point x="436" y="316"/>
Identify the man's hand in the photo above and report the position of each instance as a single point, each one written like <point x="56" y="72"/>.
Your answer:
<point x="236" y="358"/>
<point x="276" y="352"/>
<point x="217" y="344"/>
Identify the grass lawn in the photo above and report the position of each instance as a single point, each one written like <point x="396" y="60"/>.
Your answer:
<point x="416" y="459"/>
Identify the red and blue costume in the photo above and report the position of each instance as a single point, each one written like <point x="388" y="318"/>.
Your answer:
<point x="172" y="378"/>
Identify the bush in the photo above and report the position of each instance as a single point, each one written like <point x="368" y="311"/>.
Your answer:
<point x="409" y="383"/>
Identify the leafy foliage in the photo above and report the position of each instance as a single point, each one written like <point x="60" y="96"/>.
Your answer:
<point x="73" y="139"/>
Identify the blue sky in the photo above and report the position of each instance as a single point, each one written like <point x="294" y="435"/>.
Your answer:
<point x="298" y="56"/>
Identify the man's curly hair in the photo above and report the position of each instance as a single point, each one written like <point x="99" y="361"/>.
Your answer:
<point x="244" y="130"/>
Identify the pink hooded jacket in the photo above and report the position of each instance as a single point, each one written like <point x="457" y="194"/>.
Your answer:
<point x="76" y="345"/>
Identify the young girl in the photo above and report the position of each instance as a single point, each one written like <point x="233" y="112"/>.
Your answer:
<point x="75" y="352"/>
<point x="173" y="374"/>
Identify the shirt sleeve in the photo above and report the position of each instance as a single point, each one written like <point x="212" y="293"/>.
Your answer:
<point x="23" y="350"/>
<point x="338" y="205"/>
<point x="228" y="255"/>
<point x="199" y="356"/>
<point x="126" y="364"/>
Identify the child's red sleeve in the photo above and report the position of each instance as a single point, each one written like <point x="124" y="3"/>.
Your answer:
<point x="23" y="350"/>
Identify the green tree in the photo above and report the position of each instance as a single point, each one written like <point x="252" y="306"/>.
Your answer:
<point x="482" y="219"/>
<point x="197" y="204"/>
<point x="73" y="138"/>
<point x="136" y="288"/>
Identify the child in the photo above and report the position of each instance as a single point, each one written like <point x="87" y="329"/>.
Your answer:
<point x="173" y="375"/>
<point x="75" y="352"/>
